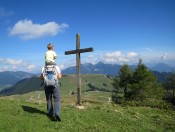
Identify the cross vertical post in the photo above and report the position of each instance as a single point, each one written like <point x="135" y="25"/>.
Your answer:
<point x="78" y="62"/>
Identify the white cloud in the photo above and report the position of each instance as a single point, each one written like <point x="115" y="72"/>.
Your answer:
<point x="62" y="66"/>
<point x="132" y="54"/>
<point x="123" y="59"/>
<point x="164" y="56"/>
<point x="26" y="29"/>
<point x="114" y="57"/>
<point x="91" y="57"/>
<point x="13" y="61"/>
<point x="31" y="67"/>
<point x="1" y="60"/>
<point x="15" y="65"/>
<point x="114" y="54"/>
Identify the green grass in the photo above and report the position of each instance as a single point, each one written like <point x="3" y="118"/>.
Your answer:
<point x="18" y="113"/>
<point x="69" y="82"/>
<point x="27" y="112"/>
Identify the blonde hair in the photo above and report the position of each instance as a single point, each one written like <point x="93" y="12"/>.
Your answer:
<point x="50" y="46"/>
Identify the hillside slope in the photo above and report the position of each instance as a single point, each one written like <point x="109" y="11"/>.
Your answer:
<point x="23" y="86"/>
<point x="68" y="84"/>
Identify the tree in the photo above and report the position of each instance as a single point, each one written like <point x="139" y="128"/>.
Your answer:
<point x="144" y="84"/>
<point x="125" y="75"/>
<point x="91" y="86"/>
<point x="170" y="84"/>
<point x="137" y="85"/>
<point x="122" y="82"/>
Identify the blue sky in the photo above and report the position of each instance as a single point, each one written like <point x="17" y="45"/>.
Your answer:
<point x="120" y="31"/>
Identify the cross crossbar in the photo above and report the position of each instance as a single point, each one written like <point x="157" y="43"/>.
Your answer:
<point x="79" y="51"/>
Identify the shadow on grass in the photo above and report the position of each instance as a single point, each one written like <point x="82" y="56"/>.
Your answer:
<point x="34" y="110"/>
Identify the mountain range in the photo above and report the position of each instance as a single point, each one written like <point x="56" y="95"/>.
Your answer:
<point x="11" y="77"/>
<point x="162" y="67"/>
<point x="99" y="68"/>
<point x="113" y="69"/>
<point x="161" y="70"/>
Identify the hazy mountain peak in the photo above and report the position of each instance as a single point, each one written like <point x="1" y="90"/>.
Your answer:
<point x="11" y="77"/>
<point x="162" y="67"/>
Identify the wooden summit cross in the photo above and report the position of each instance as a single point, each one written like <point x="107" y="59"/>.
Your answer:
<point x="77" y="52"/>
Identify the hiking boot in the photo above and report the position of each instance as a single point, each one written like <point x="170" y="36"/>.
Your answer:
<point x="57" y="118"/>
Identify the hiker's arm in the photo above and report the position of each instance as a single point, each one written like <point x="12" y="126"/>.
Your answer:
<point x="41" y="77"/>
<point x="59" y="75"/>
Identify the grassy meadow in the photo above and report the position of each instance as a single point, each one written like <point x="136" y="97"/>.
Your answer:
<point x="27" y="112"/>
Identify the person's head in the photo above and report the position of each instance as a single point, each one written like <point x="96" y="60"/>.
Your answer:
<point x="50" y="46"/>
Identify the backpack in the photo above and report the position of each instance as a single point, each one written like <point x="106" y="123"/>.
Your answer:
<point x="50" y="76"/>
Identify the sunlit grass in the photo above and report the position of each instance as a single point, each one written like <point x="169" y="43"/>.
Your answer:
<point x="19" y="113"/>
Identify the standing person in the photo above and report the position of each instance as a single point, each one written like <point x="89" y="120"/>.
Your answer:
<point x="52" y="90"/>
<point x="50" y="55"/>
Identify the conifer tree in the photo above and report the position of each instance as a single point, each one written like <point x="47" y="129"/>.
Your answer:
<point x="144" y="84"/>
<point x="170" y="84"/>
<point x="122" y="82"/>
<point x="125" y="75"/>
<point x="140" y="84"/>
